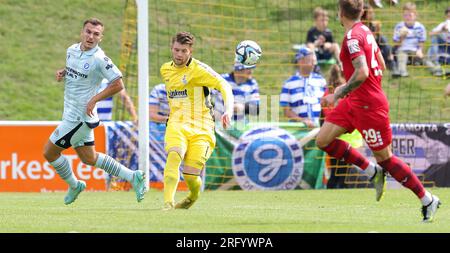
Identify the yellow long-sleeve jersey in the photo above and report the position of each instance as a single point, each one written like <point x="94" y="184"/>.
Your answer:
<point x="188" y="88"/>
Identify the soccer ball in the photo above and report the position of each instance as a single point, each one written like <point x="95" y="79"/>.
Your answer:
<point x="248" y="52"/>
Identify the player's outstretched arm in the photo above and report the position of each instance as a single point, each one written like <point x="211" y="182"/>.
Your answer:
<point x="227" y="94"/>
<point x="112" y="89"/>
<point x="213" y="80"/>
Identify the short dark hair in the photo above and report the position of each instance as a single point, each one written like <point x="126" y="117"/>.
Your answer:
<point x="447" y="10"/>
<point x="184" y="38"/>
<point x="93" y="21"/>
<point x="351" y="9"/>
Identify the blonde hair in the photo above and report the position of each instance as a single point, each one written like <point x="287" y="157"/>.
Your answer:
<point x="409" y="6"/>
<point x="319" y="12"/>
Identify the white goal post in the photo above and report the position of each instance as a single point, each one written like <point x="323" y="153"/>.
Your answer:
<point x="143" y="89"/>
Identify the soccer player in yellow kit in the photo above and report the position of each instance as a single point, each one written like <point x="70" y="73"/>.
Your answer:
<point x="190" y="129"/>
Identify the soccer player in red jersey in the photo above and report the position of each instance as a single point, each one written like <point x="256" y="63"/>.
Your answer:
<point x="364" y="106"/>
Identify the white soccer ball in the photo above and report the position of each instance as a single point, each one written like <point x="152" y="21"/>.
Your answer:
<point x="248" y="52"/>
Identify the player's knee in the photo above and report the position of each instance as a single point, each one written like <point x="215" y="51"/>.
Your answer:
<point x="175" y="150"/>
<point x="49" y="154"/>
<point x="174" y="155"/>
<point x="189" y="169"/>
<point x="89" y="159"/>
<point x="193" y="167"/>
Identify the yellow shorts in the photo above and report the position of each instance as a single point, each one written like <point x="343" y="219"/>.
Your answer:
<point x="196" y="144"/>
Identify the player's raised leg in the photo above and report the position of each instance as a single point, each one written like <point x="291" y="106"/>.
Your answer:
<point x="403" y="174"/>
<point x="89" y="156"/>
<point x="194" y="183"/>
<point x="328" y="142"/>
<point x="198" y="152"/>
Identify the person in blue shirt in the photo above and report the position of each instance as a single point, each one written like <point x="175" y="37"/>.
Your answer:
<point x="245" y="92"/>
<point x="301" y="93"/>
<point x="105" y="106"/>
<point x="86" y="66"/>
<point x="158" y="104"/>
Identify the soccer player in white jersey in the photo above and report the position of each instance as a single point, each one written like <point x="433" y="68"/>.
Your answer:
<point x="86" y="66"/>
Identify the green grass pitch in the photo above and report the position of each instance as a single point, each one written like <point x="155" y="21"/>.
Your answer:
<point x="350" y="210"/>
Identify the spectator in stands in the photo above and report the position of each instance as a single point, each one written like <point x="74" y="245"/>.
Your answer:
<point x="379" y="4"/>
<point x="439" y="51"/>
<point x="375" y="26"/>
<point x="104" y="107"/>
<point x="320" y="39"/>
<point x="338" y="169"/>
<point x="409" y="37"/>
<point x="104" y="111"/>
<point x="158" y="104"/>
<point x="301" y="93"/>
<point x="158" y="116"/>
<point x="245" y="91"/>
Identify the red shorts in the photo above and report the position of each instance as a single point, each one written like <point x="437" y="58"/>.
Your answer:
<point x="372" y="123"/>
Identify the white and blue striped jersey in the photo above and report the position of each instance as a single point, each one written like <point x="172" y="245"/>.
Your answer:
<point x="105" y="106"/>
<point x="158" y="96"/>
<point x="303" y="94"/>
<point x="416" y="34"/>
<point x="84" y="72"/>
<point x="244" y="93"/>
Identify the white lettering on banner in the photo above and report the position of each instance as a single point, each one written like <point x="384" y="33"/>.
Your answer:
<point x="22" y="169"/>
<point x="32" y="168"/>
<point x="99" y="174"/>
<point x="3" y="165"/>
<point x="84" y="171"/>
<point x="50" y="172"/>
<point x="17" y="168"/>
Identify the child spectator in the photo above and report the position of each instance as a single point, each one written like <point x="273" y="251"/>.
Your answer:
<point x="409" y="36"/>
<point x="439" y="51"/>
<point x="320" y="39"/>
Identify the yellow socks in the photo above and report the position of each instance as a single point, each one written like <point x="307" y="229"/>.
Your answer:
<point x="194" y="183"/>
<point x="171" y="176"/>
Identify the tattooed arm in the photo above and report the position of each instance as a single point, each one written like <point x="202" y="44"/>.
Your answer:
<point x="359" y="76"/>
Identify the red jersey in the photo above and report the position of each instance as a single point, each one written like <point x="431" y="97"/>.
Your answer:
<point x="360" y="41"/>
